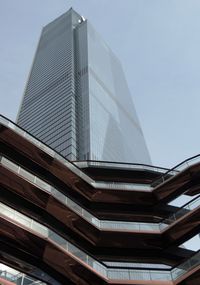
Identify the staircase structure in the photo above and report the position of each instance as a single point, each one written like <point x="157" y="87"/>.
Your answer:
<point x="93" y="222"/>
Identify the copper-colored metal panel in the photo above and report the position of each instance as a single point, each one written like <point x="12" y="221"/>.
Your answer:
<point x="20" y="238"/>
<point x="61" y="261"/>
<point x="188" y="223"/>
<point x="169" y="189"/>
<point x="69" y="267"/>
<point x="114" y="245"/>
<point x="96" y="237"/>
<point x="74" y="271"/>
<point x="88" y="231"/>
<point x="21" y="261"/>
<point x="71" y="180"/>
<point x="26" y="189"/>
<point x="180" y="183"/>
<point x="115" y="253"/>
<point x="121" y="175"/>
<point x="22" y="187"/>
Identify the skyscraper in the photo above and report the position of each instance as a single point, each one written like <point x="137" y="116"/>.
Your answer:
<point x="77" y="100"/>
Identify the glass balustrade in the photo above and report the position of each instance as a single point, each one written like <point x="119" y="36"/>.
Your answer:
<point x="114" y="273"/>
<point x="18" y="278"/>
<point x="130" y="274"/>
<point x="77" y="171"/>
<point x="176" y="170"/>
<point x="120" y="186"/>
<point x="136" y="265"/>
<point x="167" y="173"/>
<point x="186" y="266"/>
<point x="119" y="165"/>
<point x="129" y="226"/>
<point x="101" y="224"/>
<point x="190" y="206"/>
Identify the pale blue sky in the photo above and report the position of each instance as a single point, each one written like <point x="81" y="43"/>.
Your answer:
<point x="158" y="44"/>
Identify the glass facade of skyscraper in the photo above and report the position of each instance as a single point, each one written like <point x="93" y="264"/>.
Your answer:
<point x="77" y="100"/>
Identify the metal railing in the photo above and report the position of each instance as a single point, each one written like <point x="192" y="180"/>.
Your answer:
<point x="119" y="165"/>
<point x="122" y="186"/>
<point x="20" y="278"/>
<point x="101" y="224"/>
<point x="81" y="256"/>
<point x="77" y="170"/>
<point x="176" y="170"/>
<point x="185" y="209"/>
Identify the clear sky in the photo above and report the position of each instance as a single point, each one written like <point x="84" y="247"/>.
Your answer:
<point x="158" y="44"/>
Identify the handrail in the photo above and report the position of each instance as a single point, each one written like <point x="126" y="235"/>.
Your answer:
<point x="14" y="277"/>
<point x="124" y="274"/>
<point x="73" y="167"/>
<point x="91" y="218"/>
<point x="74" y="162"/>
<point x="176" y="169"/>
<point x="169" y="173"/>
<point x="7" y="275"/>
<point x="103" y="162"/>
<point x="178" y="214"/>
<point x="36" y="140"/>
